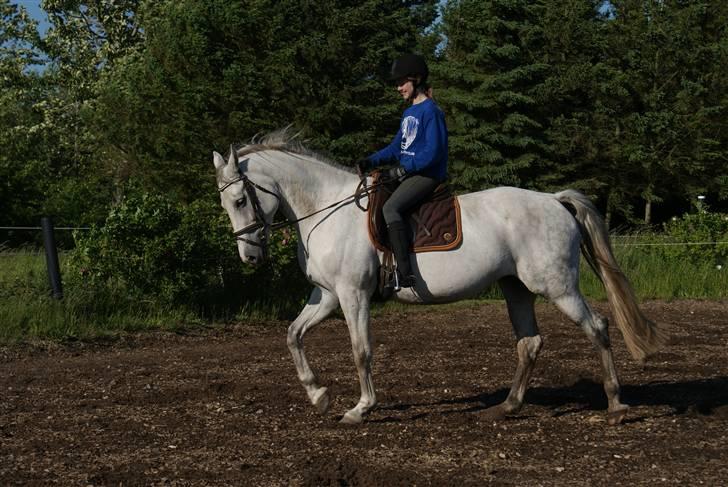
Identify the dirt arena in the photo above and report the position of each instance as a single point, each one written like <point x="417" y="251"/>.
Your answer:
<point x="223" y="406"/>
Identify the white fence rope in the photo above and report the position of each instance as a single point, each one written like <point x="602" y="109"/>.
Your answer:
<point x="666" y="244"/>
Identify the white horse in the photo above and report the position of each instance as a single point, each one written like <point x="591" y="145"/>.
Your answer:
<point x="528" y="242"/>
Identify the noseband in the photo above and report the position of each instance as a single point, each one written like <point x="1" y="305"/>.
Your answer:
<point x="260" y="225"/>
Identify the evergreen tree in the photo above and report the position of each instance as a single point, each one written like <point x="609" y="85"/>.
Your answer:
<point x="574" y="51"/>
<point x="584" y="98"/>
<point x="488" y="82"/>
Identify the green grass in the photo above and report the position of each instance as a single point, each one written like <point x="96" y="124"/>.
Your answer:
<point x="655" y="274"/>
<point x="27" y="311"/>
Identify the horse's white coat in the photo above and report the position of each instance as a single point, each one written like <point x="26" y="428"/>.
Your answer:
<point x="526" y="241"/>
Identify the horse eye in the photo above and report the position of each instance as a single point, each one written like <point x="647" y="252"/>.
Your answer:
<point x="241" y="202"/>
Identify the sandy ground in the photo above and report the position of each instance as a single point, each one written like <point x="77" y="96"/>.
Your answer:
<point x="223" y="406"/>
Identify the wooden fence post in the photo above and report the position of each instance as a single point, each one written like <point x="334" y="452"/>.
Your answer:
<point x="51" y="252"/>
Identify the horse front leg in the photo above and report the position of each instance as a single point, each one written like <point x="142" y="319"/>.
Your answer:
<point x="320" y="305"/>
<point x="355" y="305"/>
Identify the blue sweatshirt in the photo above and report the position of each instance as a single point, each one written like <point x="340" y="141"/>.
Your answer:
<point x="420" y="145"/>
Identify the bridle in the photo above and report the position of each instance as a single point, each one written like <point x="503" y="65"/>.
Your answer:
<point x="261" y="226"/>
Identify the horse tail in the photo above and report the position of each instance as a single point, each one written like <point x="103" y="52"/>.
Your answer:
<point x="642" y="336"/>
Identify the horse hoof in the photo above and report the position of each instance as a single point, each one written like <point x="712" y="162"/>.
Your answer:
<point x="617" y="416"/>
<point x="351" y="418"/>
<point x="322" y="401"/>
<point x="494" y="413"/>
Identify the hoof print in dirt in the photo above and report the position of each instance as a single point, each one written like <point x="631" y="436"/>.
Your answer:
<point x="494" y="413"/>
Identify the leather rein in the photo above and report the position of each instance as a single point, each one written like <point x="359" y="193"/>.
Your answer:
<point x="263" y="228"/>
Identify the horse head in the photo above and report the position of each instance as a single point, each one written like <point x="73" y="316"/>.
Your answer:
<point x="251" y="205"/>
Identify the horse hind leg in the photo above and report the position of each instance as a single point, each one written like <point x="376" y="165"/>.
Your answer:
<point x="520" y="302"/>
<point x="320" y="305"/>
<point x="596" y="328"/>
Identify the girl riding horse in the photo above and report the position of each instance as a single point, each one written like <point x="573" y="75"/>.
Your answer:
<point x="419" y="155"/>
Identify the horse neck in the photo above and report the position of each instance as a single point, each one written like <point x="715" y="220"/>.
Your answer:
<point x="307" y="184"/>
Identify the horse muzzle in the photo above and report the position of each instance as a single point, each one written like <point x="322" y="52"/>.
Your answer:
<point x="253" y="260"/>
<point x="251" y="254"/>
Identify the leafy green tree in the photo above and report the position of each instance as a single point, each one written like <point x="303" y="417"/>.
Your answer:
<point x="85" y="39"/>
<point x="672" y="54"/>
<point x="22" y="157"/>
<point x="214" y="72"/>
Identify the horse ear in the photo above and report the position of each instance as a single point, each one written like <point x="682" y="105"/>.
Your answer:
<point x="233" y="158"/>
<point x="218" y="160"/>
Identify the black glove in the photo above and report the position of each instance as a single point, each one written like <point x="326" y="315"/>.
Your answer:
<point x="362" y="165"/>
<point x="396" y="172"/>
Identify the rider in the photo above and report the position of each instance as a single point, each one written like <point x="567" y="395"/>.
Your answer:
<point x="418" y="153"/>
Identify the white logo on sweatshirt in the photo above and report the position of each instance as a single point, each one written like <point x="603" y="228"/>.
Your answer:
<point x="409" y="131"/>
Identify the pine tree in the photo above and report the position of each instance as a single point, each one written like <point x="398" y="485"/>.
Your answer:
<point x="488" y="81"/>
<point x="576" y="94"/>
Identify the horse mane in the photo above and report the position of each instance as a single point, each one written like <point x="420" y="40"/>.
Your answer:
<point x="285" y="140"/>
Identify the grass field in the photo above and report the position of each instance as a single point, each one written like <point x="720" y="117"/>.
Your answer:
<point x="27" y="312"/>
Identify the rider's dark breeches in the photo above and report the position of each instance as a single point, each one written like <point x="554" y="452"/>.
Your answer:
<point x="412" y="191"/>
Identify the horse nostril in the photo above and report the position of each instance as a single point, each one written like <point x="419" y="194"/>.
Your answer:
<point x="251" y="258"/>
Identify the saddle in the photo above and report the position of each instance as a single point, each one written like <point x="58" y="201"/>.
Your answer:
<point x="435" y="224"/>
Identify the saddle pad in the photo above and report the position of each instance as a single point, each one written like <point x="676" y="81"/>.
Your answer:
<point x="435" y="224"/>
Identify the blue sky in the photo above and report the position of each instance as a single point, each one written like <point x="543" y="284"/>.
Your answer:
<point x="33" y="7"/>
<point x="39" y="14"/>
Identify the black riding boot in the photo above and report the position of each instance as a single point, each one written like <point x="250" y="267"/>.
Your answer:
<point x="400" y="246"/>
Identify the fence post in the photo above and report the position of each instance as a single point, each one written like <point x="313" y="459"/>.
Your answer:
<point x="51" y="252"/>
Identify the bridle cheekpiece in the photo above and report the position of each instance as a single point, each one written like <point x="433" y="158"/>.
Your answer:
<point x="260" y="225"/>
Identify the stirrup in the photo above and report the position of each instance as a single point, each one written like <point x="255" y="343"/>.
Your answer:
<point x="400" y="282"/>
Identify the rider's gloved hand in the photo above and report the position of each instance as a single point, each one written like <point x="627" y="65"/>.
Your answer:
<point x="362" y="165"/>
<point x="396" y="172"/>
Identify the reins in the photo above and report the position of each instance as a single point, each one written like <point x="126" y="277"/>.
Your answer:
<point x="362" y="189"/>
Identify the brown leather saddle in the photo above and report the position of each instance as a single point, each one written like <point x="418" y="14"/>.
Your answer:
<point x="435" y="224"/>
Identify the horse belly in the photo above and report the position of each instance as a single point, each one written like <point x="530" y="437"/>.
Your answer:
<point x="462" y="273"/>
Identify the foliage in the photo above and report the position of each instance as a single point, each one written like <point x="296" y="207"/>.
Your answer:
<point x="707" y="230"/>
<point x="673" y="60"/>
<point x="20" y="88"/>
<point x="625" y="100"/>
<point x="488" y="77"/>
<point x="179" y="255"/>
<point x="581" y="97"/>
<point x="215" y="72"/>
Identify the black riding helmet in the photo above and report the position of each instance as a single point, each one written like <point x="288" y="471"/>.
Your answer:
<point x="409" y="66"/>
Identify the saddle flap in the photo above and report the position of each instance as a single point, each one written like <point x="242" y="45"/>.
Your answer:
<point x="435" y="224"/>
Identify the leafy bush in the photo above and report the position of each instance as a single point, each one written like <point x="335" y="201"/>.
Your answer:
<point x="701" y="228"/>
<point x="182" y="255"/>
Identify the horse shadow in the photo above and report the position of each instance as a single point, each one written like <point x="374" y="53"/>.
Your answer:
<point x="704" y="397"/>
